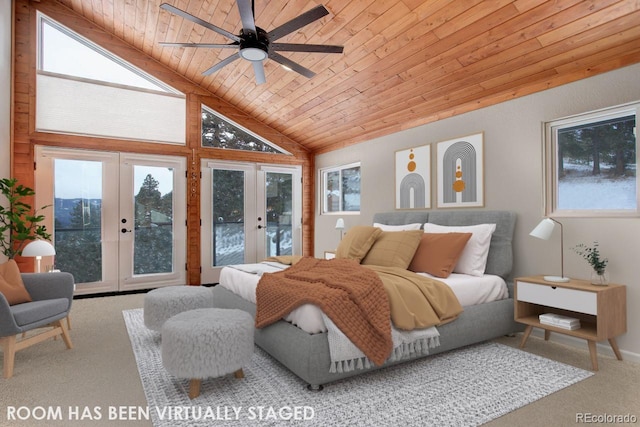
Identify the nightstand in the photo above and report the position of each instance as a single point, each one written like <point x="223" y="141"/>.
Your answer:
<point x="602" y="310"/>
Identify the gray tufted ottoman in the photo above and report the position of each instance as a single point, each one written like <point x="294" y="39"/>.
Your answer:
<point x="206" y="343"/>
<point x="162" y="303"/>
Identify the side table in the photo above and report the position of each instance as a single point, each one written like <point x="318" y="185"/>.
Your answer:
<point x="602" y="310"/>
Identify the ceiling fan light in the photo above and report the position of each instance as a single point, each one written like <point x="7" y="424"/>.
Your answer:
<point x="253" y="54"/>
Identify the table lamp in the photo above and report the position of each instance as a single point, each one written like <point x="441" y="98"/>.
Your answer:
<point x="340" y="226"/>
<point x="543" y="231"/>
<point x="38" y="248"/>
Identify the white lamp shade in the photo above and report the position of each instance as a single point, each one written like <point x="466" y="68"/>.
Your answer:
<point x="340" y="224"/>
<point x="38" y="248"/>
<point x="544" y="229"/>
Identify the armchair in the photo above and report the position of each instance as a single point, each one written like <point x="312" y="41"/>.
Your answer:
<point x="52" y="294"/>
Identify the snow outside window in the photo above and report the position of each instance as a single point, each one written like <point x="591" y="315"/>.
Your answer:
<point x="591" y="164"/>
<point x="341" y="189"/>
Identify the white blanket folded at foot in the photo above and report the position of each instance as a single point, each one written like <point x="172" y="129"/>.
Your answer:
<point x="345" y="356"/>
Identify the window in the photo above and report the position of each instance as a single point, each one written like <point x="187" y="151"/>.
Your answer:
<point x="341" y="188"/>
<point x="591" y="163"/>
<point x="223" y="133"/>
<point x="81" y="89"/>
<point x="60" y="49"/>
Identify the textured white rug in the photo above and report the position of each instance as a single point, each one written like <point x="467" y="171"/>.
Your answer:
<point x="466" y="387"/>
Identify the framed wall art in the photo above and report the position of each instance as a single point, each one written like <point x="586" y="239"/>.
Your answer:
<point x="460" y="172"/>
<point x="413" y="178"/>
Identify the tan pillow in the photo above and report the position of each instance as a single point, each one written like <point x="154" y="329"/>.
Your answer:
<point x="438" y="253"/>
<point x="11" y="285"/>
<point x="357" y="242"/>
<point x="394" y="249"/>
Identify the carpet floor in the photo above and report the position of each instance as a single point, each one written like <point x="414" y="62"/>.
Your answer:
<point x="466" y="387"/>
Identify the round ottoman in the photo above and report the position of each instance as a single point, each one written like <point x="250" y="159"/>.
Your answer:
<point x="162" y="303"/>
<point x="206" y="343"/>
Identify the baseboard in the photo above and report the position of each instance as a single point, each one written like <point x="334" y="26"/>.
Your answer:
<point x="603" y="347"/>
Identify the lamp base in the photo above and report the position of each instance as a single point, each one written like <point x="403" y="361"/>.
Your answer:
<point x="559" y="279"/>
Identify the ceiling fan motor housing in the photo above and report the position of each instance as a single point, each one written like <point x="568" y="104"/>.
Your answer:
<point x="254" y="47"/>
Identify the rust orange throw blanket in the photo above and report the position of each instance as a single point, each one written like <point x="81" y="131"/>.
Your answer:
<point x="352" y="296"/>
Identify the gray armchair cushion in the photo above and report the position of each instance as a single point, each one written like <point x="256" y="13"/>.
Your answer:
<point x="44" y="311"/>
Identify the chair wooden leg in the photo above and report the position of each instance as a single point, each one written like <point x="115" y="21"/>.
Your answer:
<point x="65" y="334"/>
<point x="69" y="322"/>
<point x="9" y="354"/>
<point x="238" y="373"/>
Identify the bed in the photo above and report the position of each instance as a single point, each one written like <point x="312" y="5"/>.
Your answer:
<point x="307" y="354"/>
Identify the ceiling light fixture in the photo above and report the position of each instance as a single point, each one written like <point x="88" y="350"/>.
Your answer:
<point x="253" y="54"/>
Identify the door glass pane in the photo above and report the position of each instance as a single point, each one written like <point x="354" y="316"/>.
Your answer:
<point x="77" y="218"/>
<point x="228" y="217"/>
<point x="153" y="213"/>
<point x="279" y="214"/>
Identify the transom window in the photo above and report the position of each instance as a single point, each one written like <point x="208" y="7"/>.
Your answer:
<point x="218" y="132"/>
<point x="341" y="189"/>
<point x="591" y="162"/>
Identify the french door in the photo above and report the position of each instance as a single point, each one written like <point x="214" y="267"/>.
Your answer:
<point x="118" y="220"/>
<point x="249" y="212"/>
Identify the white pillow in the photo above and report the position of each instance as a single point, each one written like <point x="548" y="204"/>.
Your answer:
<point x="473" y="260"/>
<point x="405" y="227"/>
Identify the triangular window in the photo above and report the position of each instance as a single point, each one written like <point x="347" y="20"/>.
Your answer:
<point x="64" y="52"/>
<point x="223" y="133"/>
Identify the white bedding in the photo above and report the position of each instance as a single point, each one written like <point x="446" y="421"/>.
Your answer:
<point x="470" y="290"/>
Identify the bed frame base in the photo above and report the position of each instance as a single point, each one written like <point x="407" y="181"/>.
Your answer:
<point x="307" y="355"/>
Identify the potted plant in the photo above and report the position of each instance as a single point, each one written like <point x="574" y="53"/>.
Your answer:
<point x="18" y="224"/>
<point x="592" y="255"/>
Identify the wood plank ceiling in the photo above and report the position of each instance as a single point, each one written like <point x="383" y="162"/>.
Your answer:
<point x="406" y="62"/>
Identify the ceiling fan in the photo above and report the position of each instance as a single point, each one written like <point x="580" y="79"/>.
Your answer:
<point x="255" y="44"/>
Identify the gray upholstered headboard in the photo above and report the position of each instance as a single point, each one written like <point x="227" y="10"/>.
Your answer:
<point x="500" y="259"/>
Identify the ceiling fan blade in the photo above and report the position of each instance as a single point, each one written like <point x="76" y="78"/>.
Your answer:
<point x="209" y="45"/>
<point x="290" y="64"/>
<point x="246" y="15"/>
<point x="298" y="22"/>
<point x="228" y="60"/>
<point x="196" y="20"/>
<point x="258" y="69"/>
<point x="295" y="47"/>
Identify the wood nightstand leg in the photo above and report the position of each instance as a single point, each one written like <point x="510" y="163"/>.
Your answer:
<point x="594" y="354"/>
<point x="614" y="347"/>
<point x="525" y="335"/>
<point x="547" y="334"/>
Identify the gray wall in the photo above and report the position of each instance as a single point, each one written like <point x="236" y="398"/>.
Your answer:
<point x="5" y="90"/>
<point x="513" y="181"/>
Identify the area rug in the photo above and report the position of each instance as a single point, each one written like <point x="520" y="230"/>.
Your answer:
<point x="465" y="387"/>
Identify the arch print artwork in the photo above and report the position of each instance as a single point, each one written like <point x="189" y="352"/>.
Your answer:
<point x="413" y="178"/>
<point x="460" y="172"/>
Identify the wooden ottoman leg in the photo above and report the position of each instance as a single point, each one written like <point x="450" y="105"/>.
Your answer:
<point x="194" y="388"/>
<point x="238" y="373"/>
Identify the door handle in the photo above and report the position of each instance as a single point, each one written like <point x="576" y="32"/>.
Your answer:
<point x="124" y="230"/>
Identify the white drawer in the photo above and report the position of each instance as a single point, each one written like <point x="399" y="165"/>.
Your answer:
<point x="567" y="299"/>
